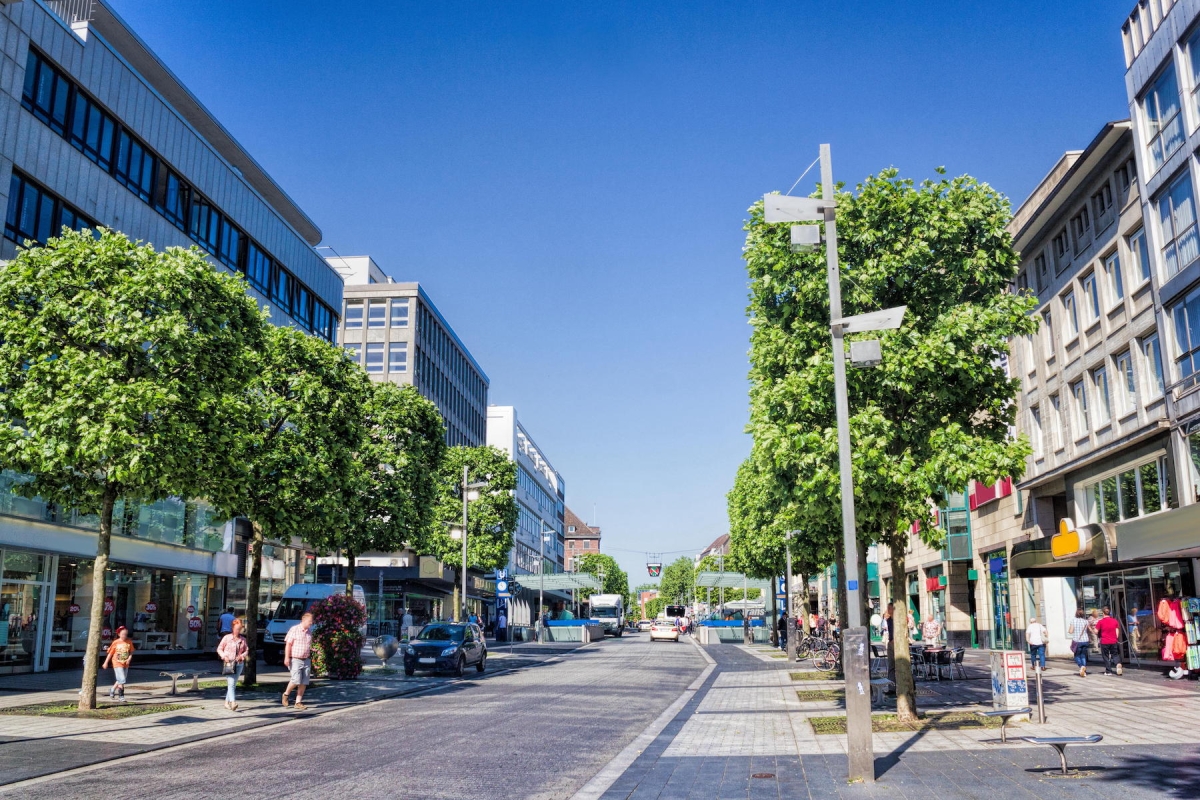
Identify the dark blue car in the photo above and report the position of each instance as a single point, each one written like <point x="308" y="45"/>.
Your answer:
<point x="446" y="647"/>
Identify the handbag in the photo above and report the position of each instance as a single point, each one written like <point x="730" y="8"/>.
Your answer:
<point x="1074" y="646"/>
<point x="228" y="668"/>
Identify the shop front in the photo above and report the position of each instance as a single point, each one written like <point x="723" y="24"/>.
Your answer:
<point x="1001" y="603"/>
<point x="933" y="629"/>
<point x="25" y="598"/>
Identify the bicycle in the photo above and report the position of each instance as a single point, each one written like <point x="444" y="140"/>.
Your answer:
<point x="829" y="658"/>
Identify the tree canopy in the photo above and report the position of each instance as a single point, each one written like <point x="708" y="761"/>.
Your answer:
<point x="491" y="520"/>
<point x="676" y="584"/>
<point x="615" y="580"/>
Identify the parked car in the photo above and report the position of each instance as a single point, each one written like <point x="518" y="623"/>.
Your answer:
<point x="446" y="647"/>
<point x="664" y="629"/>
<point x="298" y="599"/>
<point x="644" y="624"/>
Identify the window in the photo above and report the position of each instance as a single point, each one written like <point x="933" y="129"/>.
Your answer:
<point x="354" y="350"/>
<point x="1040" y="264"/>
<point x="354" y="314"/>
<point x="1125" y="380"/>
<point x="1102" y="203"/>
<point x="399" y="312"/>
<point x="92" y="131"/>
<point x="1092" y="293"/>
<point x="374" y="357"/>
<point x="36" y="214"/>
<point x="47" y="92"/>
<point x="1164" y="127"/>
<point x="1071" y="314"/>
<point x="1056" y="425"/>
<point x="1080" y="225"/>
<point x="1047" y="335"/>
<point x="1186" y="315"/>
<point x="302" y="305"/>
<point x="1124" y="176"/>
<point x="175" y="201"/>
<point x="1112" y="275"/>
<point x="1177" y="219"/>
<point x="1027" y="353"/>
<point x="398" y="357"/>
<point x="376" y="314"/>
<point x="1060" y="244"/>
<point x="1035" y="431"/>
<point x="1140" y="254"/>
<point x="258" y="267"/>
<point x="1103" y="401"/>
<point x="1152" y="352"/>
<point x="1131" y="493"/>
<point x="231" y="244"/>
<point x="1079" y="395"/>
<point x="282" y="286"/>
<point x="135" y="166"/>
<point x="205" y="225"/>
<point x="1192" y="47"/>
<point x="323" y="322"/>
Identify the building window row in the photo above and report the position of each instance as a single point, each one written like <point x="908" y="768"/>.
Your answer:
<point x="453" y="362"/>
<point x="36" y="214"/>
<point x="454" y="405"/>
<point x="371" y="356"/>
<point x="1131" y="493"/>
<point x="378" y="313"/>
<point x="1108" y="389"/>
<point x="52" y="97"/>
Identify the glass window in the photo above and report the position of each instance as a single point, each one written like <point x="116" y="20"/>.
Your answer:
<point x="376" y="314"/>
<point x="136" y="166"/>
<point x="231" y="244"/>
<point x="1112" y="272"/>
<point x="354" y="350"/>
<point x="374" y="357"/>
<point x="1140" y="254"/>
<point x="1152" y="351"/>
<point x="1193" y="44"/>
<point x="1177" y="219"/>
<point x="399" y="312"/>
<point x="322" y="320"/>
<point x="205" y="225"/>
<point x="1035" y="433"/>
<point x="36" y="214"/>
<point x="258" y="267"/>
<point x="1047" y="335"/>
<point x="1151" y="484"/>
<point x="1164" y="126"/>
<point x="1079" y="395"/>
<point x="1072" y="315"/>
<point x="176" y="200"/>
<point x="1194" y="462"/>
<point x="92" y="131"/>
<point x="47" y="92"/>
<point x="1103" y="405"/>
<point x="1125" y="379"/>
<point x="354" y="314"/>
<point x="282" y="286"/>
<point x="398" y="357"/>
<point x="302" y="305"/>
<point x="1129" y="494"/>
<point x="1092" y="292"/>
<point x="1186" y="316"/>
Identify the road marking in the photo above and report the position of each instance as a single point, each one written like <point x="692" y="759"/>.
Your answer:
<point x="607" y="776"/>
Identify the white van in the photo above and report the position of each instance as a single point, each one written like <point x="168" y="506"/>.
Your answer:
<point x="297" y="599"/>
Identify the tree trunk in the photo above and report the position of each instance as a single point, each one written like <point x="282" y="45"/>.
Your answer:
<point x="843" y="604"/>
<point x="253" y="581"/>
<point x="350" y="576"/>
<point x="772" y="620"/>
<point x="802" y="608"/>
<point x="906" y="689"/>
<point x="91" y="657"/>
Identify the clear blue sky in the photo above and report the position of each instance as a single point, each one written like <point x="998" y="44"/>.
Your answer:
<point x="569" y="180"/>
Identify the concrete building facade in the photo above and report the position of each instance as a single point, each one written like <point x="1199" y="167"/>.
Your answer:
<point x="96" y="131"/>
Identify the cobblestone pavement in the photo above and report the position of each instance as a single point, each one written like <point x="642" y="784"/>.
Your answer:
<point x="528" y="733"/>
<point x="31" y="745"/>
<point x="746" y="734"/>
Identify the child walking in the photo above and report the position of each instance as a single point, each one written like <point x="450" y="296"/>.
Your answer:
<point x="120" y="653"/>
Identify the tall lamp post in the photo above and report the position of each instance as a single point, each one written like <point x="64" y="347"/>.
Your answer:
<point x="793" y="629"/>
<point x="542" y="569"/>
<point x="856" y="664"/>
<point x="469" y="491"/>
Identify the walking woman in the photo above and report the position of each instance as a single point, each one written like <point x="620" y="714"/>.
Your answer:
<point x="1078" y="631"/>
<point x="233" y="651"/>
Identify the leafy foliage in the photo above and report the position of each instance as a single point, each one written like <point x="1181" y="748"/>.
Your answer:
<point x="491" y="520"/>
<point x="337" y="636"/>
<point x="677" y="579"/>
<point x="615" y="580"/>
<point x="119" y="370"/>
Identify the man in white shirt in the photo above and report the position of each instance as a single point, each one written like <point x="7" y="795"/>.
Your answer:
<point x="1035" y="636"/>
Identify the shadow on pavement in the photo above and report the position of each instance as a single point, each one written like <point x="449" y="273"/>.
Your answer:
<point x="1173" y="776"/>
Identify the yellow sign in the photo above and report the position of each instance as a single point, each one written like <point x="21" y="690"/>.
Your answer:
<point x="1069" y="542"/>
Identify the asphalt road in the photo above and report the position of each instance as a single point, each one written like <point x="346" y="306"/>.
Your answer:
<point x="538" y="732"/>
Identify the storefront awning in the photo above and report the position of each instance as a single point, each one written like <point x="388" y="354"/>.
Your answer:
<point x="1034" y="559"/>
<point x="559" y="581"/>
<point x="1168" y="534"/>
<point x="730" y="580"/>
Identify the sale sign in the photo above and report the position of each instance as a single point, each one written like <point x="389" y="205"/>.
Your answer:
<point x="195" y="624"/>
<point x="151" y="608"/>
<point x="109" y="605"/>
<point x="106" y="633"/>
<point x="191" y="609"/>
<point x="72" y="609"/>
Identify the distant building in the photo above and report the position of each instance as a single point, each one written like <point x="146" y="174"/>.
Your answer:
<point x="718" y="549"/>
<point x="396" y="332"/>
<point x="581" y="538"/>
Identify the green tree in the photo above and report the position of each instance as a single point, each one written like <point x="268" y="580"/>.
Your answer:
<point x="119" y="367"/>
<point x="615" y="580"/>
<point x="936" y="413"/>
<point x="302" y="423"/>
<point x="491" y="519"/>
<point x="390" y="491"/>
<point x="677" y="581"/>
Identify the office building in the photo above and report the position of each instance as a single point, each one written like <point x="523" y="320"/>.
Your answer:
<point x="396" y="332"/>
<point x="98" y="131"/>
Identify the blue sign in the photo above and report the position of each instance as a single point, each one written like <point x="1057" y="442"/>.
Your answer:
<point x="852" y="586"/>
<point x="781" y="589"/>
<point x="502" y="589"/>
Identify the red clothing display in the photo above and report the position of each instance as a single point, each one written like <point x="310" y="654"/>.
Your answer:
<point x="1108" y="627"/>
<point x="1170" y="615"/>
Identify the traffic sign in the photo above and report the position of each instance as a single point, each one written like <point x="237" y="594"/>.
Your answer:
<point x="502" y="589"/>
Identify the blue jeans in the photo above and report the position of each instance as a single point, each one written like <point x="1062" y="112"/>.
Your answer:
<point x="1037" y="655"/>
<point x="1081" y="654"/>
<point x="231" y="682"/>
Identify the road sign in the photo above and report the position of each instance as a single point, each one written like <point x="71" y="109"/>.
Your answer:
<point x="655" y="570"/>
<point x="502" y="589"/>
<point x="781" y="589"/>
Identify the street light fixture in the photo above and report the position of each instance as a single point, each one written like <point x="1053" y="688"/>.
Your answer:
<point x="470" y="493"/>
<point x="542" y="539"/>
<point x="784" y="208"/>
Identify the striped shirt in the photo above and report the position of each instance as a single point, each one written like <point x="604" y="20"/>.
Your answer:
<point x="1078" y="630"/>
<point x="300" y="640"/>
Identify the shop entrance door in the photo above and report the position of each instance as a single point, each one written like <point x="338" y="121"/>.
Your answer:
<point x="1002" y="618"/>
<point x="20" y="610"/>
<point x="1120" y="613"/>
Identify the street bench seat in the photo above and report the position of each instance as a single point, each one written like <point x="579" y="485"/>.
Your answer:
<point x="175" y="676"/>
<point x="1005" y="714"/>
<point x="1060" y="743"/>
<point x="878" y="687"/>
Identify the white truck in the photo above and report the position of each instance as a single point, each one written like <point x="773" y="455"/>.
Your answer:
<point x="609" y="611"/>
<point x="298" y="599"/>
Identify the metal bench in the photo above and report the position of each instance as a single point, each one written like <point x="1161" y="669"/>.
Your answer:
<point x="175" y="676"/>
<point x="1005" y="714"/>
<point x="1060" y="743"/>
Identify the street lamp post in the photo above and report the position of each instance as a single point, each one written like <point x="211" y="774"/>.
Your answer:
<point x="469" y="491"/>
<point x="792" y="629"/>
<point x="542" y="571"/>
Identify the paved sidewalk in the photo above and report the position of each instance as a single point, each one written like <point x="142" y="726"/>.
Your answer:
<point x="747" y="734"/>
<point x="31" y="746"/>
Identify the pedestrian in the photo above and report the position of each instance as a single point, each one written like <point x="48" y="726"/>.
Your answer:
<point x="406" y="622"/>
<point x="473" y="618"/>
<point x="1035" y="636"/>
<point x="297" y="657"/>
<point x="233" y="651"/>
<point x="502" y="626"/>
<point x="1108" y="628"/>
<point x="1077" y="629"/>
<point x="120" y="653"/>
<point x="225" y="623"/>
<point x="1093" y="633"/>
<point x="782" y="627"/>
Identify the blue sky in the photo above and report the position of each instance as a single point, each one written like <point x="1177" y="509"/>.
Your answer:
<point x="569" y="180"/>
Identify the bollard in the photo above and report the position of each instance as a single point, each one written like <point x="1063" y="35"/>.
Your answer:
<point x="1041" y="705"/>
